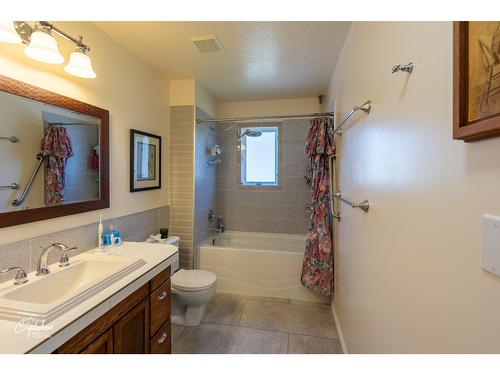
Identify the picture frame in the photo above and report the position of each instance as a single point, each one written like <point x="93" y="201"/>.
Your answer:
<point x="145" y="161"/>
<point x="476" y="80"/>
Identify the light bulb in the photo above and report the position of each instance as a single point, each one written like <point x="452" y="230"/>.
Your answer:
<point x="80" y="64"/>
<point x="8" y="33"/>
<point x="43" y="47"/>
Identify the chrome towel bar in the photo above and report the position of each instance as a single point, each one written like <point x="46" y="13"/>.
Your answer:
<point x="12" y="186"/>
<point x="364" y="205"/>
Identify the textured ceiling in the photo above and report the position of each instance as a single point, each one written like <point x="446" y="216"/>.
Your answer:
<point x="261" y="60"/>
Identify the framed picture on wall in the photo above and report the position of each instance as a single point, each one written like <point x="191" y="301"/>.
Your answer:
<point x="145" y="161"/>
<point x="476" y="80"/>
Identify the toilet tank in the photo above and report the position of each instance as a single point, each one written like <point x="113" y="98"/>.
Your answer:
<point x="173" y="240"/>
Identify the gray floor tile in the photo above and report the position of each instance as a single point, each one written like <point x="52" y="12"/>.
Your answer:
<point x="225" y="309"/>
<point x="209" y="338"/>
<point x="311" y="320"/>
<point x="300" y="344"/>
<point x="176" y="331"/>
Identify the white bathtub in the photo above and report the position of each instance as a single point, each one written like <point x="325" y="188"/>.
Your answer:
<point x="258" y="264"/>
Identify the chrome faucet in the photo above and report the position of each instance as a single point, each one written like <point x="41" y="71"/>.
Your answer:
<point x="42" y="267"/>
<point x="21" y="276"/>
<point x="219" y="228"/>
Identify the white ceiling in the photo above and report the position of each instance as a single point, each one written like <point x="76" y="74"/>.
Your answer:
<point x="262" y="60"/>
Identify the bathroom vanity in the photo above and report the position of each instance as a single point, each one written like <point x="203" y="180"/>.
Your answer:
<point x="126" y="314"/>
<point x="138" y="324"/>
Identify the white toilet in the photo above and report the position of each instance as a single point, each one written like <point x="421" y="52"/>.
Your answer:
<point x="192" y="290"/>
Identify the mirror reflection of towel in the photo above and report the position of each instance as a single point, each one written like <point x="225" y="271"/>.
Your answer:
<point x="56" y="148"/>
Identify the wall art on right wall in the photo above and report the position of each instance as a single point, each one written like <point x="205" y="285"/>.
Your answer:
<point x="476" y="80"/>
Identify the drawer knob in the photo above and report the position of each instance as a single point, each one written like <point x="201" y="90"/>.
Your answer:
<point x="163" y="295"/>
<point x="163" y="337"/>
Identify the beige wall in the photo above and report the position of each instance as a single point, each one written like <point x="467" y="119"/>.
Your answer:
<point x="268" y="107"/>
<point x="408" y="274"/>
<point x="136" y="97"/>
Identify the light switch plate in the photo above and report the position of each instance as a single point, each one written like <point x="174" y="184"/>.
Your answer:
<point x="491" y="244"/>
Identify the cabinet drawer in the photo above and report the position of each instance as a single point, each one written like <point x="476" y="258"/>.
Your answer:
<point x="161" y="343"/>
<point x="159" y="279"/>
<point x="159" y="307"/>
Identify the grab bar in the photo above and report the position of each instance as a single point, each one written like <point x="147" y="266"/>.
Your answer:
<point x="17" y="202"/>
<point x="12" y="186"/>
<point x="366" y="107"/>
<point x="364" y="205"/>
<point x="12" y="139"/>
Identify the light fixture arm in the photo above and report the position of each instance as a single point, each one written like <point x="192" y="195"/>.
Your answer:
<point x="79" y="42"/>
<point x="25" y="30"/>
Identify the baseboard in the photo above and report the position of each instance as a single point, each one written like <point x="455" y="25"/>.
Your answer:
<point x="339" y="330"/>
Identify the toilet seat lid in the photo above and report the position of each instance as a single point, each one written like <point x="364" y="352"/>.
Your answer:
<point x="193" y="279"/>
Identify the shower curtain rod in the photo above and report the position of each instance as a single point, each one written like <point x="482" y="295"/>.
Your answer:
<point x="250" y="118"/>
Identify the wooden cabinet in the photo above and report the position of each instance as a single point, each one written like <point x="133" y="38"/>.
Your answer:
<point x="161" y="343"/>
<point x="138" y="324"/>
<point x="102" y="345"/>
<point x="159" y="301"/>
<point x="130" y="333"/>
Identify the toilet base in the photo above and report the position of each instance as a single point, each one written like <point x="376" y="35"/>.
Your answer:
<point x="189" y="316"/>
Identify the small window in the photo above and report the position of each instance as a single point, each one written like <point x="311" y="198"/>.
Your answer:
<point x="259" y="156"/>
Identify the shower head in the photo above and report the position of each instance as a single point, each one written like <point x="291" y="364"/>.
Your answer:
<point x="250" y="133"/>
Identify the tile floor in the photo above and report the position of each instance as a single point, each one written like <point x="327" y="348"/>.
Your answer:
<point x="251" y="325"/>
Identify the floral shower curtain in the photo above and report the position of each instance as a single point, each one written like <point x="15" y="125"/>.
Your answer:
<point x="317" y="269"/>
<point x="56" y="148"/>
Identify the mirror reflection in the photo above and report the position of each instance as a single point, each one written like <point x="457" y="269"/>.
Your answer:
<point x="49" y="156"/>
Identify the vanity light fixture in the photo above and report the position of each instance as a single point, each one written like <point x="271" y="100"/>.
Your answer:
<point x="79" y="64"/>
<point x="8" y="33"/>
<point x="42" y="46"/>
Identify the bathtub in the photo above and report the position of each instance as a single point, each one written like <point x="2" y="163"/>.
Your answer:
<point x="258" y="264"/>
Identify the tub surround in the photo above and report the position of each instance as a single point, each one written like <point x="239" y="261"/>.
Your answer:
<point x="182" y="180"/>
<point x="156" y="258"/>
<point x="205" y="182"/>
<point x="266" y="209"/>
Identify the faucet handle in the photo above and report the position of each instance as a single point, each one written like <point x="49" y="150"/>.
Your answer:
<point x="64" y="247"/>
<point x="21" y="275"/>
<point x="64" y="260"/>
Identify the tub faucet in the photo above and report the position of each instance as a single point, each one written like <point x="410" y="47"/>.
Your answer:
<point x="219" y="229"/>
<point x="42" y="267"/>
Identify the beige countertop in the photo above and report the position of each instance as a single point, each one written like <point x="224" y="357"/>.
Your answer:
<point x="25" y="337"/>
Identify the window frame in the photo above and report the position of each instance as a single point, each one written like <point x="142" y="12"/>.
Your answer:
<point x="265" y="128"/>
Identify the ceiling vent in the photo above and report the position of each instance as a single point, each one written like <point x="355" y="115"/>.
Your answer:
<point x="207" y="43"/>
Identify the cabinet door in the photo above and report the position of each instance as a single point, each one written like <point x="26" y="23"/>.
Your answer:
<point x="131" y="332"/>
<point x="101" y="345"/>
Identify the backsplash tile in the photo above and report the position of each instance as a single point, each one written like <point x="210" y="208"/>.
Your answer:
<point x="134" y="227"/>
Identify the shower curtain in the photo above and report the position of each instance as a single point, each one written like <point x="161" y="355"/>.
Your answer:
<point x="56" y="148"/>
<point x="317" y="269"/>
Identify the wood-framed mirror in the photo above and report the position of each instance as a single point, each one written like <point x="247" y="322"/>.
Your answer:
<point x="54" y="154"/>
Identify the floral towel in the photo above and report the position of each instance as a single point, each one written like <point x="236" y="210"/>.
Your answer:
<point x="56" y="148"/>
<point x="317" y="269"/>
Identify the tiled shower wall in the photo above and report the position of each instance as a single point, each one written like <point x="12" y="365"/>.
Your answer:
<point x="182" y="180"/>
<point x="280" y="210"/>
<point x="205" y="183"/>
<point x="134" y="227"/>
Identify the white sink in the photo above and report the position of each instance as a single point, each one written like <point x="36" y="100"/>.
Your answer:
<point x="47" y="297"/>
